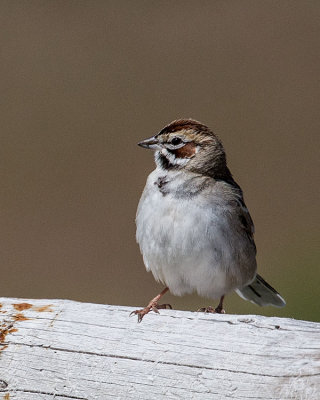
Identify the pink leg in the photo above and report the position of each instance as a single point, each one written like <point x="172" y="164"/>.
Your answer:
<point x="153" y="305"/>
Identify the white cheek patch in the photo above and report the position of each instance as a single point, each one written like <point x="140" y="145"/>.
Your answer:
<point x="173" y="159"/>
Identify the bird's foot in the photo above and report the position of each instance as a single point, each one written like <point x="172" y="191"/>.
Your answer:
<point x="217" y="310"/>
<point x="152" y="306"/>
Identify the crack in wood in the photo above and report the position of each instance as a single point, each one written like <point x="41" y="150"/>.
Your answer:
<point x="188" y="345"/>
<point x="55" y="395"/>
<point x="162" y="362"/>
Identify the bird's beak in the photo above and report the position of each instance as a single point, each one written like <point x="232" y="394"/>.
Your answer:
<point x="151" y="143"/>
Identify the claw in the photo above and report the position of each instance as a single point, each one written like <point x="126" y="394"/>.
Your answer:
<point x="141" y="313"/>
<point x="153" y="305"/>
<point x="211" y="310"/>
<point x="133" y="312"/>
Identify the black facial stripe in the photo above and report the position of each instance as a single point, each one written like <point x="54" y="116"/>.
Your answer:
<point x="165" y="163"/>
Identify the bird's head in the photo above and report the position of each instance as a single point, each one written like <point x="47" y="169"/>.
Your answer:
<point x="187" y="144"/>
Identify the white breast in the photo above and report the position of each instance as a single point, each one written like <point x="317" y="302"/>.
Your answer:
<point x="189" y="244"/>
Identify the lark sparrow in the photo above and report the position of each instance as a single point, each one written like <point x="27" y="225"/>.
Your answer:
<point x="193" y="227"/>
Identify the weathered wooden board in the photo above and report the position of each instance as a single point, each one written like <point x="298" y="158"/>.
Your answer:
<point x="59" y="349"/>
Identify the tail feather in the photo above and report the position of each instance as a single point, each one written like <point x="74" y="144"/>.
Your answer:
<point x="261" y="293"/>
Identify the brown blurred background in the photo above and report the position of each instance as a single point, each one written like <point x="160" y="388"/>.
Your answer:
<point x="83" y="81"/>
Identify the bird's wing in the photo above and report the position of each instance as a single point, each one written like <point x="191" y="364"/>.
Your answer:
<point x="246" y="223"/>
<point x="232" y="196"/>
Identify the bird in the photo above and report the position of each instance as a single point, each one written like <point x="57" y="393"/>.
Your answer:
<point x="192" y="225"/>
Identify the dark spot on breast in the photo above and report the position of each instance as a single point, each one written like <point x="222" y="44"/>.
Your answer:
<point x="187" y="151"/>
<point x="161" y="183"/>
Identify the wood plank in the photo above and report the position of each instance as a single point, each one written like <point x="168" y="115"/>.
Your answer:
<point x="69" y="350"/>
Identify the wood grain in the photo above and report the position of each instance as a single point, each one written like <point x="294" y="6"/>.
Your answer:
<point x="60" y="349"/>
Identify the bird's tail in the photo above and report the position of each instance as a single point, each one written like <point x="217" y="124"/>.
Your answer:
<point x="261" y="293"/>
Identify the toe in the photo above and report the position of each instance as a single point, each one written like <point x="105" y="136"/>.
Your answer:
<point x="219" y="311"/>
<point x="206" y="309"/>
<point x="140" y="313"/>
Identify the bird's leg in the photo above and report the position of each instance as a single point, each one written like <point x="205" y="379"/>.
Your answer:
<point x="218" y="310"/>
<point x="153" y="305"/>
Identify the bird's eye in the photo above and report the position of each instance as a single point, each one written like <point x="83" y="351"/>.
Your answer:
<point x="175" y="141"/>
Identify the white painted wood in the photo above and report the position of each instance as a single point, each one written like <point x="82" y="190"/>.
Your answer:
<point x="60" y="349"/>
